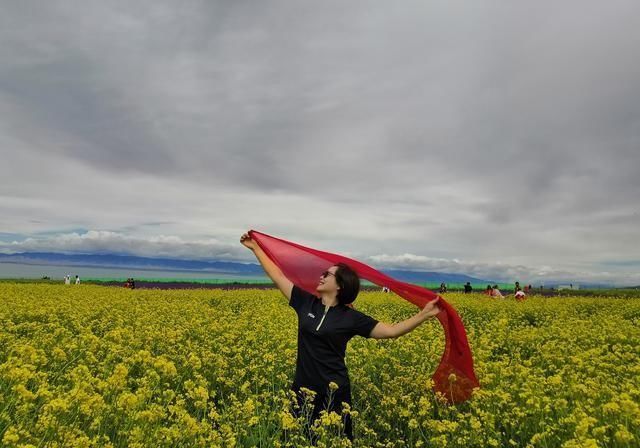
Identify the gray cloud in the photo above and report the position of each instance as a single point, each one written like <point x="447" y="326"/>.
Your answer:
<point x="99" y="242"/>
<point x="489" y="132"/>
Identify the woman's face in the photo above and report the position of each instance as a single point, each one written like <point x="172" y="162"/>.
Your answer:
<point x="327" y="282"/>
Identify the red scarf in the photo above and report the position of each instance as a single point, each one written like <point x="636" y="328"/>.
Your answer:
<point x="454" y="377"/>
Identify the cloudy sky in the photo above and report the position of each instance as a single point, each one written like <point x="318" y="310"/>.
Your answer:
<point x="491" y="138"/>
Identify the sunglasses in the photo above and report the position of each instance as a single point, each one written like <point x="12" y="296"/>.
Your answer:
<point x="325" y="274"/>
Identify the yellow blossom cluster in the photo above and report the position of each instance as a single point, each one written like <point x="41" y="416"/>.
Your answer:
<point x="95" y="366"/>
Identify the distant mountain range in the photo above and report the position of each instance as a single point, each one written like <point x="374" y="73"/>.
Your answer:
<point x="205" y="267"/>
<point x="129" y="261"/>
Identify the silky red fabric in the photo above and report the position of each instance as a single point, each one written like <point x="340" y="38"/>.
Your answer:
<point x="454" y="377"/>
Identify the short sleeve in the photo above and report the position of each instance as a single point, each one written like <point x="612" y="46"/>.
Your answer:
<point x="299" y="297"/>
<point x="363" y="324"/>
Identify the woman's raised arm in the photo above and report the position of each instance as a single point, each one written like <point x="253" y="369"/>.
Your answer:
<point x="386" y="331"/>
<point x="275" y="274"/>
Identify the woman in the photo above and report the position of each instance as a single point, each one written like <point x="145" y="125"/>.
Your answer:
<point x="326" y="323"/>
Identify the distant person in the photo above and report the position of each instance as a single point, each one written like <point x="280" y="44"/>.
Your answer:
<point x="468" y="288"/>
<point x="77" y="280"/>
<point x="495" y="292"/>
<point x="489" y="290"/>
<point x="133" y="283"/>
<point x="443" y="287"/>
<point x="517" y="287"/>
<point x="67" y="280"/>
<point x="520" y="296"/>
<point x="385" y="289"/>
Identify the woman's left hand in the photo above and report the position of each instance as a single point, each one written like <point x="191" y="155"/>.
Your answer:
<point x="430" y="309"/>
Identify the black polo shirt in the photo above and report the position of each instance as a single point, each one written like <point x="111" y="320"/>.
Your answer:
<point x="322" y="343"/>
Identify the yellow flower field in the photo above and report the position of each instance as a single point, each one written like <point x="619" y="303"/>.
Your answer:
<point x="85" y="366"/>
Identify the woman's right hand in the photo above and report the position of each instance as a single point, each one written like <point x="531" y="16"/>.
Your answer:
<point x="248" y="242"/>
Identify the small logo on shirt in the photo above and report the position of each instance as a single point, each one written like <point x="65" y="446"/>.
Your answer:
<point x="311" y="316"/>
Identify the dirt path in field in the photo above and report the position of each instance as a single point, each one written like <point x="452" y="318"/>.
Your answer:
<point x="187" y="285"/>
<point x="235" y="285"/>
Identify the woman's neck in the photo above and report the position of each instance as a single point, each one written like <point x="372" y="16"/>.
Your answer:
<point x="329" y="300"/>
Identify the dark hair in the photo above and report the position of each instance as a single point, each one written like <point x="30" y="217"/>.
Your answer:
<point x="349" y="284"/>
